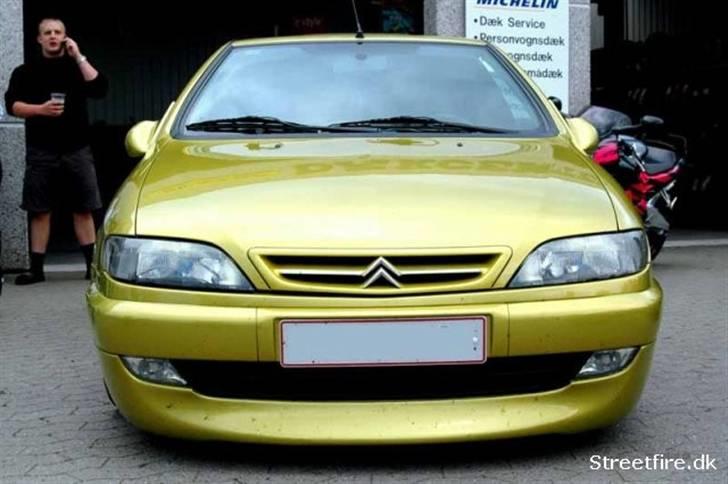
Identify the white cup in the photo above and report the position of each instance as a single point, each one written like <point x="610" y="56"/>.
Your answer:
<point x="59" y="97"/>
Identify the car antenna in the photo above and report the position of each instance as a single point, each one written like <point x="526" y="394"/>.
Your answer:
<point x="359" y="31"/>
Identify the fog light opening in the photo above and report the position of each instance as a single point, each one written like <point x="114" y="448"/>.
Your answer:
<point x="153" y="370"/>
<point x="602" y="363"/>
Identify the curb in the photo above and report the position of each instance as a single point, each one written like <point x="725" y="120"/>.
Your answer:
<point x="65" y="268"/>
<point x="722" y="242"/>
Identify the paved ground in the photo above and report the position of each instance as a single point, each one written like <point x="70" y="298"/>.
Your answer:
<point x="56" y="425"/>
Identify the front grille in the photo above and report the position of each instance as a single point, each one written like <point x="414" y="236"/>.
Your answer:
<point x="383" y="273"/>
<point x="270" y="381"/>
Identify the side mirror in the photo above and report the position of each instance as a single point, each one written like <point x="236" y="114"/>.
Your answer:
<point x="138" y="138"/>
<point x="652" y="121"/>
<point x="585" y="135"/>
<point x="557" y="102"/>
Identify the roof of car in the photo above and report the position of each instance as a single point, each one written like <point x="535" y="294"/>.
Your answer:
<point x="351" y="37"/>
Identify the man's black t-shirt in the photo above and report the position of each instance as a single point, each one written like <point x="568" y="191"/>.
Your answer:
<point x="34" y="82"/>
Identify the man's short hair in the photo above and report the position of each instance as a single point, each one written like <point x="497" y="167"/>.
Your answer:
<point x="50" y="19"/>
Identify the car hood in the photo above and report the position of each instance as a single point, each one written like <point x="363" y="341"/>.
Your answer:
<point x="353" y="193"/>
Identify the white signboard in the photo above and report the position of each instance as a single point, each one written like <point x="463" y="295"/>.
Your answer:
<point x="534" y="33"/>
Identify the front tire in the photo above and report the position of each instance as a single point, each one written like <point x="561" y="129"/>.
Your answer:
<point x="656" y="239"/>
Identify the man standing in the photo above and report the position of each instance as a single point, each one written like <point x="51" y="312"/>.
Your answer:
<point x="51" y="94"/>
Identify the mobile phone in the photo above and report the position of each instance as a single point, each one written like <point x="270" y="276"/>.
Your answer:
<point x="63" y="44"/>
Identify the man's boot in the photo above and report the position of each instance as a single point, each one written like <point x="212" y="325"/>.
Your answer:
<point x="36" y="273"/>
<point x="88" y="253"/>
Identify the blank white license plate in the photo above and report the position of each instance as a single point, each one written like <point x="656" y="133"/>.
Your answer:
<point x="436" y="341"/>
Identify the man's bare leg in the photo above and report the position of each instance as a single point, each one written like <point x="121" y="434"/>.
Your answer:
<point x="40" y="229"/>
<point x="83" y="224"/>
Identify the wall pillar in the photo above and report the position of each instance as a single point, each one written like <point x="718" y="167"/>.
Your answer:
<point x="579" y="55"/>
<point x="13" y="221"/>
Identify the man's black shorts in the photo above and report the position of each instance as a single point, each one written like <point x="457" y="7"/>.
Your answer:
<point x="55" y="180"/>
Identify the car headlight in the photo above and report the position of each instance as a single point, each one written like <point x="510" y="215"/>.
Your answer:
<point x="585" y="258"/>
<point x="169" y="263"/>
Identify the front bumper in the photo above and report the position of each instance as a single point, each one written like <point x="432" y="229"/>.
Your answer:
<point x="180" y="412"/>
<point x="145" y="322"/>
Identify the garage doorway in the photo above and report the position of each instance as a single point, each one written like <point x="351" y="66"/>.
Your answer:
<point x="669" y="58"/>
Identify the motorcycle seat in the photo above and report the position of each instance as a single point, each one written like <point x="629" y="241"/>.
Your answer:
<point x="658" y="160"/>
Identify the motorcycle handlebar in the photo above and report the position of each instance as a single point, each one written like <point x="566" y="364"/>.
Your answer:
<point x="654" y="135"/>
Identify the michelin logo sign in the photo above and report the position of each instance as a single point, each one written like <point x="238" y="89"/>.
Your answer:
<point x="522" y="3"/>
<point x="534" y="33"/>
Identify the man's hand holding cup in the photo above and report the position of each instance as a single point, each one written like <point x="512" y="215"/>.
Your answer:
<point x="54" y="107"/>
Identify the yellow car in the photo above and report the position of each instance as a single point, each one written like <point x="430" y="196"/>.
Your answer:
<point x="394" y="239"/>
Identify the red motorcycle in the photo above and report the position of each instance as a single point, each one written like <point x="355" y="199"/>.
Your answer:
<point x="646" y="161"/>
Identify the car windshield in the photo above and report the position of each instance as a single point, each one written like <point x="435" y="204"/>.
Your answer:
<point x="365" y="86"/>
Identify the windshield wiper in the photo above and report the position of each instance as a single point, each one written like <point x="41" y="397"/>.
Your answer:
<point x="265" y="124"/>
<point x="419" y="123"/>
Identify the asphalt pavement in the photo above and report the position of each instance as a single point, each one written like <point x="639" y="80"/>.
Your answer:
<point x="57" y="426"/>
